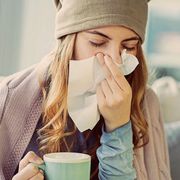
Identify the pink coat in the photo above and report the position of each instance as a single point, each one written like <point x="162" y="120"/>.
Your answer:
<point x="20" y="109"/>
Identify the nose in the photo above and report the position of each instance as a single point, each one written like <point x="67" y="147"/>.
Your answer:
<point x="115" y="54"/>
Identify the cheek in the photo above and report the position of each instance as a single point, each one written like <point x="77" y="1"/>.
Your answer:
<point x="134" y="52"/>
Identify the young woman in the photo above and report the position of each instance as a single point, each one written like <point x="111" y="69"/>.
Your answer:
<point x="128" y="141"/>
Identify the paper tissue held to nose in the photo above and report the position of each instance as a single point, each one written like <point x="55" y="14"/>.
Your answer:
<point x="84" y="76"/>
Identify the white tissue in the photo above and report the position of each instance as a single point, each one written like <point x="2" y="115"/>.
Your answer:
<point x="84" y="76"/>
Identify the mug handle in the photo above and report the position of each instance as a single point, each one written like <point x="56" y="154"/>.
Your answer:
<point x="41" y="167"/>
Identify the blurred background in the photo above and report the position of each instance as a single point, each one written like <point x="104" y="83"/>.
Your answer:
<point x="163" y="57"/>
<point x="27" y="34"/>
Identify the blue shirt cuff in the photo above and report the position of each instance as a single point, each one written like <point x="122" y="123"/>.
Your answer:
<point x="116" y="154"/>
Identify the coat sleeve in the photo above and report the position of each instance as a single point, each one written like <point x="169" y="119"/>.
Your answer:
<point x="3" y="98"/>
<point x="159" y="136"/>
<point x="1" y="175"/>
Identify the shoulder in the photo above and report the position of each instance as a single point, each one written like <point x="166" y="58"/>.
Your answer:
<point x="152" y="110"/>
<point x="151" y="99"/>
<point x="157" y="145"/>
<point x="1" y="78"/>
<point x="150" y="95"/>
<point x="23" y="85"/>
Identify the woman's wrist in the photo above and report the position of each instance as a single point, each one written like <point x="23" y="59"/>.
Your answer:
<point x="111" y="127"/>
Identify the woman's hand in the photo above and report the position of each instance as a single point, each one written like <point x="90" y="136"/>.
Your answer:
<point x="114" y="95"/>
<point x="27" y="171"/>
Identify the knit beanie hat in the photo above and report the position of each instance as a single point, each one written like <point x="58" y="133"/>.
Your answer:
<point x="78" y="15"/>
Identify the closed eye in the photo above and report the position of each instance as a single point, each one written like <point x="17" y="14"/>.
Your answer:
<point x="96" y="44"/>
<point x="102" y="44"/>
<point x="129" y="48"/>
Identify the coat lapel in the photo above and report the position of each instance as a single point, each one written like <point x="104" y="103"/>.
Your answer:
<point x="23" y="108"/>
<point x="20" y="118"/>
<point x="22" y="140"/>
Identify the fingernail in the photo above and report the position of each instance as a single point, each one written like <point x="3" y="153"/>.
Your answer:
<point x="41" y="171"/>
<point x="100" y="60"/>
<point x="38" y="160"/>
<point x="99" y="53"/>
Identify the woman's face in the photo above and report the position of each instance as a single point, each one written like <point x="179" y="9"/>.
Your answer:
<point x="109" y="40"/>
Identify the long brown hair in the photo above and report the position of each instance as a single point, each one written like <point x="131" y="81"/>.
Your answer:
<point x="56" y="134"/>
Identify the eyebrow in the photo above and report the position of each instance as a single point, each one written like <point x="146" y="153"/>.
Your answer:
<point x="99" y="33"/>
<point x="131" y="39"/>
<point x="104" y="35"/>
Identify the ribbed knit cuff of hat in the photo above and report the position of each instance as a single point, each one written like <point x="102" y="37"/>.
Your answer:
<point x="78" y="15"/>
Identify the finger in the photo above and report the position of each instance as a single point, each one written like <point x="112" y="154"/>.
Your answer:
<point x="118" y="94"/>
<point x="39" y="176"/>
<point x="106" y="71"/>
<point x="106" y="89"/>
<point x="110" y="96"/>
<point x="114" y="86"/>
<point x="104" y="67"/>
<point x="28" y="158"/>
<point x="116" y="72"/>
<point x="28" y="172"/>
<point x="100" y="96"/>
